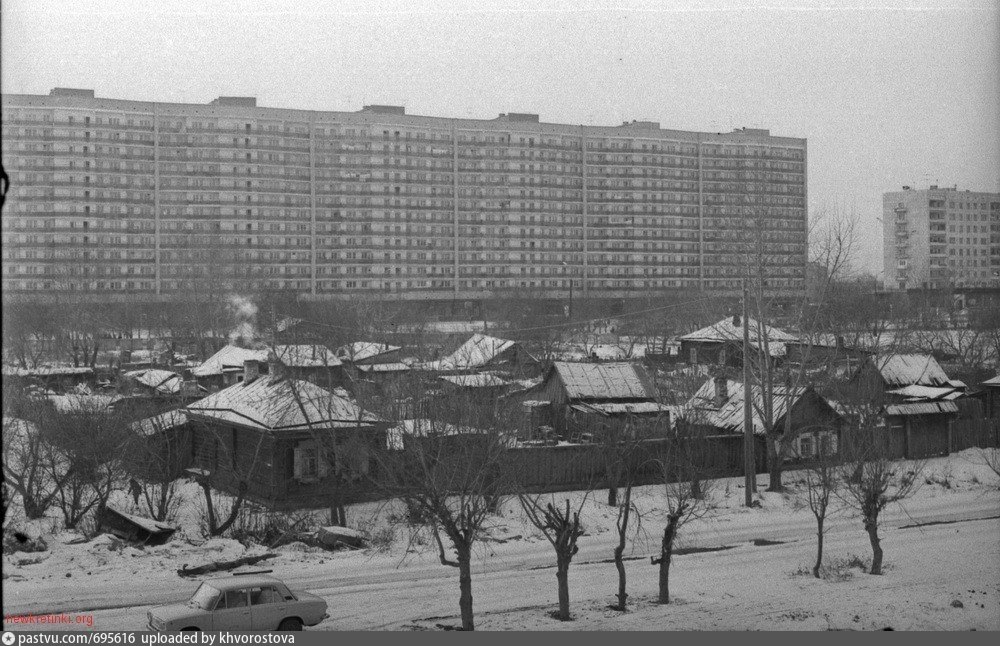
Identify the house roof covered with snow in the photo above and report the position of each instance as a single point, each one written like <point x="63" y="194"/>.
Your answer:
<point x="622" y="408"/>
<point x="994" y="382"/>
<point x="228" y="359"/>
<point x="46" y="371"/>
<point x="728" y="414"/>
<point x="384" y="367"/>
<point x="162" y="422"/>
<point x="82" y="403"/>
<point x="305" y="356"/>
<point x="164" y="382"/>
<point x="616" y="380"/>
<point x="275" y="404"/>
<point x="362" y="350"/>
<point x="726" y="330"/>
<point x="482" y="380"/>
<point x="479" y="351"/>
<point x="900" y="370"/>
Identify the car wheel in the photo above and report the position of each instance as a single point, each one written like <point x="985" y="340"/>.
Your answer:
<point x="290" y="624"/>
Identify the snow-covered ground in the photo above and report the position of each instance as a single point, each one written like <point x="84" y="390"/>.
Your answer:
<point x="939" y="576"/>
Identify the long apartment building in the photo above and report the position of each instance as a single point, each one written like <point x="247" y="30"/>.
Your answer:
<point x="940" y="237"/>
<point x="122" y="199"/>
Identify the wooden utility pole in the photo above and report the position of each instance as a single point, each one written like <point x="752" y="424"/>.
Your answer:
<point x="749" y="463"/>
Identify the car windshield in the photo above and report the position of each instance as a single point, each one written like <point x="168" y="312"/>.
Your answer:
<point x="204" y="597"/>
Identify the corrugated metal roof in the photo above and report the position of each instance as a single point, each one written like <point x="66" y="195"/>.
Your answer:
<point x="922" y="408"/>
<point x="477" y="352"/>
<point x="484" y="380"/>
<point x="729" y="416"/>
<point x="900" y="370"/>
<point x="162" y="381"/>
<point x="281" y="404"/>
<point x="724" y="331"/>
<point x="361" y="350"/>
<point x="228" y="358"/>
<point x="161" y="422"/>
<point x="619" y="380"/>
<point x="305" y="356"/>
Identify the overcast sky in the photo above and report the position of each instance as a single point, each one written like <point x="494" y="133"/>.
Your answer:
<point x="886" y="95"/>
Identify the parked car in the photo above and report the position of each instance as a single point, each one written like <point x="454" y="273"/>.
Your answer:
<point x="241" y="603"/>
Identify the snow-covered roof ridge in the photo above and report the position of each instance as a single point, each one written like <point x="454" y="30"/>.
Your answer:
<point x="729" y="329"/>
<point x="273" y="404"/>
<point x="162" y="422"/>
<point x="229" y="358"/>
<point x="162" y="381"/>
<point x="910" y="369"/>
<point x="361" y="350"/>
<point x="477" y="352"/>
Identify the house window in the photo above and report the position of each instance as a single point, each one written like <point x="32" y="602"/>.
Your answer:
<point x="807" y="447"/>
<point x="307" y="464"/>
<point x="693" y="355"/>
<point x="828" y="444"/>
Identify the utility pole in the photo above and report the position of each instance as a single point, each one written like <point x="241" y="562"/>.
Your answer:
<point x="749" y="463"/>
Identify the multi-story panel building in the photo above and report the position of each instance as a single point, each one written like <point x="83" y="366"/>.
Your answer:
<point x="941" y="237"/>
<point x="130" y="198"/>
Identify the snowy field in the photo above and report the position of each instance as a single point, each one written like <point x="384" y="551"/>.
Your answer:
<point x="942" y="551"/>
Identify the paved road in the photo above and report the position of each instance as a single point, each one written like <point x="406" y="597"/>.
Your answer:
<point x="378" y="599"/>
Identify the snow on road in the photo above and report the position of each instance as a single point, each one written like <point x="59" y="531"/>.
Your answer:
<point x="744" y="587"/>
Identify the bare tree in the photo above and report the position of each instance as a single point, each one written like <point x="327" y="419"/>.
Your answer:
<point x="26" y="461"/>
<point x="625" y="453"/>
<point x="561" y="526"/>
<point x="240" y="470"/>
<point x="451" y="476"/>
<point x="156" y="452"/>
<point x="685" y="496"/>
<point x="872" y="482"/>
<point x="821" y="483"/>
<point x="90" y="447"/>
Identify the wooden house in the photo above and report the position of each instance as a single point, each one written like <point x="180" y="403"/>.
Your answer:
<point x="580" y="401"/>
<point x="722" y="343"/>
<point x="718" y="408"/>
<point x="482" y="352"/>
<point x="290" y="443"/>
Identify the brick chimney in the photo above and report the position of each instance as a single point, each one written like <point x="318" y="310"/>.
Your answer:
<point x="251" y="370"/>
<point x="721" y="391"/>
<point x="275" y="368"/>
<point x="736" y="320"/>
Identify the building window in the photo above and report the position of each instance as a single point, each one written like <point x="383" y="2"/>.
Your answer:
<point x="307" y="464"/>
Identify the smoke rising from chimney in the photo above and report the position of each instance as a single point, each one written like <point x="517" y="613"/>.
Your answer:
<point x="244" y="314"/>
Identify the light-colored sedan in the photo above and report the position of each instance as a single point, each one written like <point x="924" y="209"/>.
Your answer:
<point x="241" y="603"/>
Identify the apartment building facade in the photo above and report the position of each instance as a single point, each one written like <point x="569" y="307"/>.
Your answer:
<point x="940" y="237"/>
<point x="126" y="199"/>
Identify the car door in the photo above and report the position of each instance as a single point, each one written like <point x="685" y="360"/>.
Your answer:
<point x="233" y="611"/>
<point x="267" y="608"/>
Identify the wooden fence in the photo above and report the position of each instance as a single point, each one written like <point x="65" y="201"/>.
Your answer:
<point x="568" y="467"/>
<point x="968" y="433"/>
